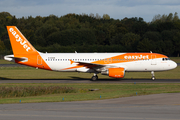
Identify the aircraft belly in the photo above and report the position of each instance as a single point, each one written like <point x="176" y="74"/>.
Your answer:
<point x="143" y="66"/>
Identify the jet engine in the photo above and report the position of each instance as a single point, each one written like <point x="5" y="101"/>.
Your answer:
<point x="114" y="72"/>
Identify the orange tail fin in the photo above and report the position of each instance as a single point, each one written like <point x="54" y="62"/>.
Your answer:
<point x="24" y="52"/>
<point x="20" y="45"/>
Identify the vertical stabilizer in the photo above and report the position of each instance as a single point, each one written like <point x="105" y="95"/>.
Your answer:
<point x="24" y="52"/>
<point x="20" y="45"/>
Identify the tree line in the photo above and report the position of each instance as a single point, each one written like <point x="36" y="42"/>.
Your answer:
<point x="93" y="33"/>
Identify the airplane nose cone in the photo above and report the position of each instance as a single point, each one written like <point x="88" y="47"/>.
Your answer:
<point x="174" y="65"/>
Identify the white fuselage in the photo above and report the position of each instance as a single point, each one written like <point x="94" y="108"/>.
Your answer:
<point x="61" y="61"/>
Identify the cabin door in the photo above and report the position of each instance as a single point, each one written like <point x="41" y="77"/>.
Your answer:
<point x="39" y="60"/>
<point x="153" y="60"/>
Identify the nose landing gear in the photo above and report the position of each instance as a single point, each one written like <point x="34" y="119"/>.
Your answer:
<point x="153" y="76"/>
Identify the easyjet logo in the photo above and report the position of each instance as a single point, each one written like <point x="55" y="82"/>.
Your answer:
<point x="136" y="57"/>
<point x="20" y="40"/>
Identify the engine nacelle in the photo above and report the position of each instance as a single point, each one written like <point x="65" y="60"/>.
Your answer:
<point x="115" y="72"/>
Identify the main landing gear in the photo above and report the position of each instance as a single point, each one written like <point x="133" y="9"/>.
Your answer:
<point x="94" y="77"/>
<point x="153" y="76"/>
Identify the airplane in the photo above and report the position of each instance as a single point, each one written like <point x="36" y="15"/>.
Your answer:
<point x="112" y="64"/>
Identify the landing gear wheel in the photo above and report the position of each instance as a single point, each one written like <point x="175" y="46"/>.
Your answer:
<point x="94" y="78"/>
<point x="153" y="78"/>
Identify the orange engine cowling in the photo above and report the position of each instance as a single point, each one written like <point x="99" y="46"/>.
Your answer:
<point x="115" y="72"/>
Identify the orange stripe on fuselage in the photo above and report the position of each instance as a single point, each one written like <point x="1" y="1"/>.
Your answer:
<point x="127" y="57"/>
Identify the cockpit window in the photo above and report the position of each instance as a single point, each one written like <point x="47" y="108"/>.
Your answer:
<point x="165" y="59"/>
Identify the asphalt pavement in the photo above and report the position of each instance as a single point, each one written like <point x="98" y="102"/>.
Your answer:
<point x="149" y="107"/>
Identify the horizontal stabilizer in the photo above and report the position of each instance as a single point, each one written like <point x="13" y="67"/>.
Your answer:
<point x="12" y="58"/>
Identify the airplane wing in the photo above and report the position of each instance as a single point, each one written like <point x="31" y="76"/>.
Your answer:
<point x="90" y="65"/>
<point x="93" y="66"/>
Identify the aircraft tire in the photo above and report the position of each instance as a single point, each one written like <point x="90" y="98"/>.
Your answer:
<point x="94" y="78"/>
<point x="153" y="78"/>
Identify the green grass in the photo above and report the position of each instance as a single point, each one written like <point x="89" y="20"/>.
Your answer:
<point x="22" y="91"/>
<point x="106" y="91"/>
<point x="32" y="73"/>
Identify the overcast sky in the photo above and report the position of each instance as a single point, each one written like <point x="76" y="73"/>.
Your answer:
<point x="116" y="9"/>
